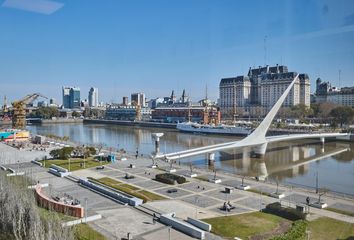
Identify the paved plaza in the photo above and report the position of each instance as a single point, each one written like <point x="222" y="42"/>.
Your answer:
<point x="195" y="198"/>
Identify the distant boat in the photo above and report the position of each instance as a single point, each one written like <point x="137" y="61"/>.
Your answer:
<point x="240" y="130"/>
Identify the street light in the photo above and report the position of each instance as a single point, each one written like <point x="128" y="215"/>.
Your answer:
<point x="169" y="232"/>
<point x="85" y="210"/>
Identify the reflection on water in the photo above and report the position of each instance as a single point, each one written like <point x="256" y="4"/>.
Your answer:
<point x="294" y="162"/>
<point x="298" y="162"/>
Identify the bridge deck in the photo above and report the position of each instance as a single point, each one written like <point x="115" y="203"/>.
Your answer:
<point x="241" y="144"/>
<point x="256" y="139"/>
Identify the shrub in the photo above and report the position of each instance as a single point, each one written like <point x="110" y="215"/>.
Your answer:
<point x="91" y="150"/>
<point x="288" y="213"/>
<point x="169" y="178"/>
<point x="297" y="231"/>
<point x="63" y="153"/>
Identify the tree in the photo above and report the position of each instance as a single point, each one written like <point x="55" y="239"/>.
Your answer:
<point x="301" y="111"/>
<point x="54" y="153"/>
<point x="324" y="110"/>
<point x="87" y="112"/>
<point x="285" y="112"/>
<point x="63" y="153"/>
<point x="97" y="113"/>
<point x="20" y="217"/>
<point x="321" y="192"/>
<point x="342" y="115"/>
<point x="76" y="114"/>
<point x="45" y="112"/>
<point x="91" y="150"/>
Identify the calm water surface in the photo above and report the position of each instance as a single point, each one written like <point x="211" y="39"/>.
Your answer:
<point x="296" y="162"/>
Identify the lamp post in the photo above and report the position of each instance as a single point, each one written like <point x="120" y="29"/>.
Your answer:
<point x="169" y="232"/>
<point x="316" y="181"/>
<point x="85" y="209"/>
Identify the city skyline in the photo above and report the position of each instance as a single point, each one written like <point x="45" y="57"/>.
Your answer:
<point x="174" y="45"/>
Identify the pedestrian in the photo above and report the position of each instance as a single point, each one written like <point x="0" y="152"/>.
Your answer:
<point x="308" y="200"/>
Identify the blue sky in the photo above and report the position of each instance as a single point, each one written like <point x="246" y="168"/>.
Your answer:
<point x="155" y="46"/>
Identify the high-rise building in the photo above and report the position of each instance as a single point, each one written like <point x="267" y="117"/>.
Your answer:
<point x="138" y="99"/>
<point x="257" y="92"/>
<point x="74" y="97"/>
<point x="93" y="97"/>
<point x="66" y="97"/>
<point x="125" y="101"/>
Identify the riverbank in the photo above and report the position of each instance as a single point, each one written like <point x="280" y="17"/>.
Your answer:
<point x="54" y="121"/>
<point x="131" y="123"/>
<point x="271" y="131"/>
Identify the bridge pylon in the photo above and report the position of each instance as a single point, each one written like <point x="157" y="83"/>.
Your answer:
<point x="211" y="158"/>
<point x="260" y="150"/>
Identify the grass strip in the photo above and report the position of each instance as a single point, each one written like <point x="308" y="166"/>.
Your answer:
<point x="258" y="192"/>
<point x="244" y="225"/>
<point x="147" y="196"/>
<point x="351" y="214"/>
<point x="75" y="163"/>
<point x="85" y="232"/>
<point x="327" y="228"/>
<point x="202" y="178"/>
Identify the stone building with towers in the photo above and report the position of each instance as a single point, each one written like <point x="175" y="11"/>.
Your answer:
<point x="254" y="94"/>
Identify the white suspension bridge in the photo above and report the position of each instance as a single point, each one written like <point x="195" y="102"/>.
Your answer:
<point x="256" y="141"/>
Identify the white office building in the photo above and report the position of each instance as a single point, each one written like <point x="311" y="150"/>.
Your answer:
<point x="93" y="97"/>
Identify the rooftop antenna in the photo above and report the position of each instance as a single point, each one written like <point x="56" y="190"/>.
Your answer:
<point x="339" y="72"/>
<point x="265" y="50"/>
<point x="206" y="91"/>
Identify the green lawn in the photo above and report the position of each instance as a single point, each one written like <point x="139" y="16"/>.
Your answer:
<point x="340" y="211"/>
<point x="258" y="192"/>
<point x="150" y="196"/>
<point x="75" y="163"/>
<point x="327" y="228"/>
<point x="202" y="178"/>
<point x="244" y="225"/>
<point x="46" y="214"/>
<point x="85" y="232"/>
<point x="81" y="231"/>
<point x="127" y="188"/>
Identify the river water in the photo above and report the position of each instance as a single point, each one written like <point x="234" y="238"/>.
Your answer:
<point x="295" y="163"/>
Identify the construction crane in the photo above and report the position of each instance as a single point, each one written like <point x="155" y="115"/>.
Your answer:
<point x="19" y="110"/>
<point x="137" y="110"/>
<point x="4" y="107"/>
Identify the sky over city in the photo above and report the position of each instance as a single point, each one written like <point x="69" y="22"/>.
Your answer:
<point x="154" y="46"/>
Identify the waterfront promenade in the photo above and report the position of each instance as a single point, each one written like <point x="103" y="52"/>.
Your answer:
<point x="196" y="198"/>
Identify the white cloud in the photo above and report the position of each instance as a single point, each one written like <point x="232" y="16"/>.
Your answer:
<point x="38" y="6"/>
<point x="325" y="32"/>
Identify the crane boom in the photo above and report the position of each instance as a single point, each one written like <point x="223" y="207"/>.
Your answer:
<point x="19" y="110"/>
